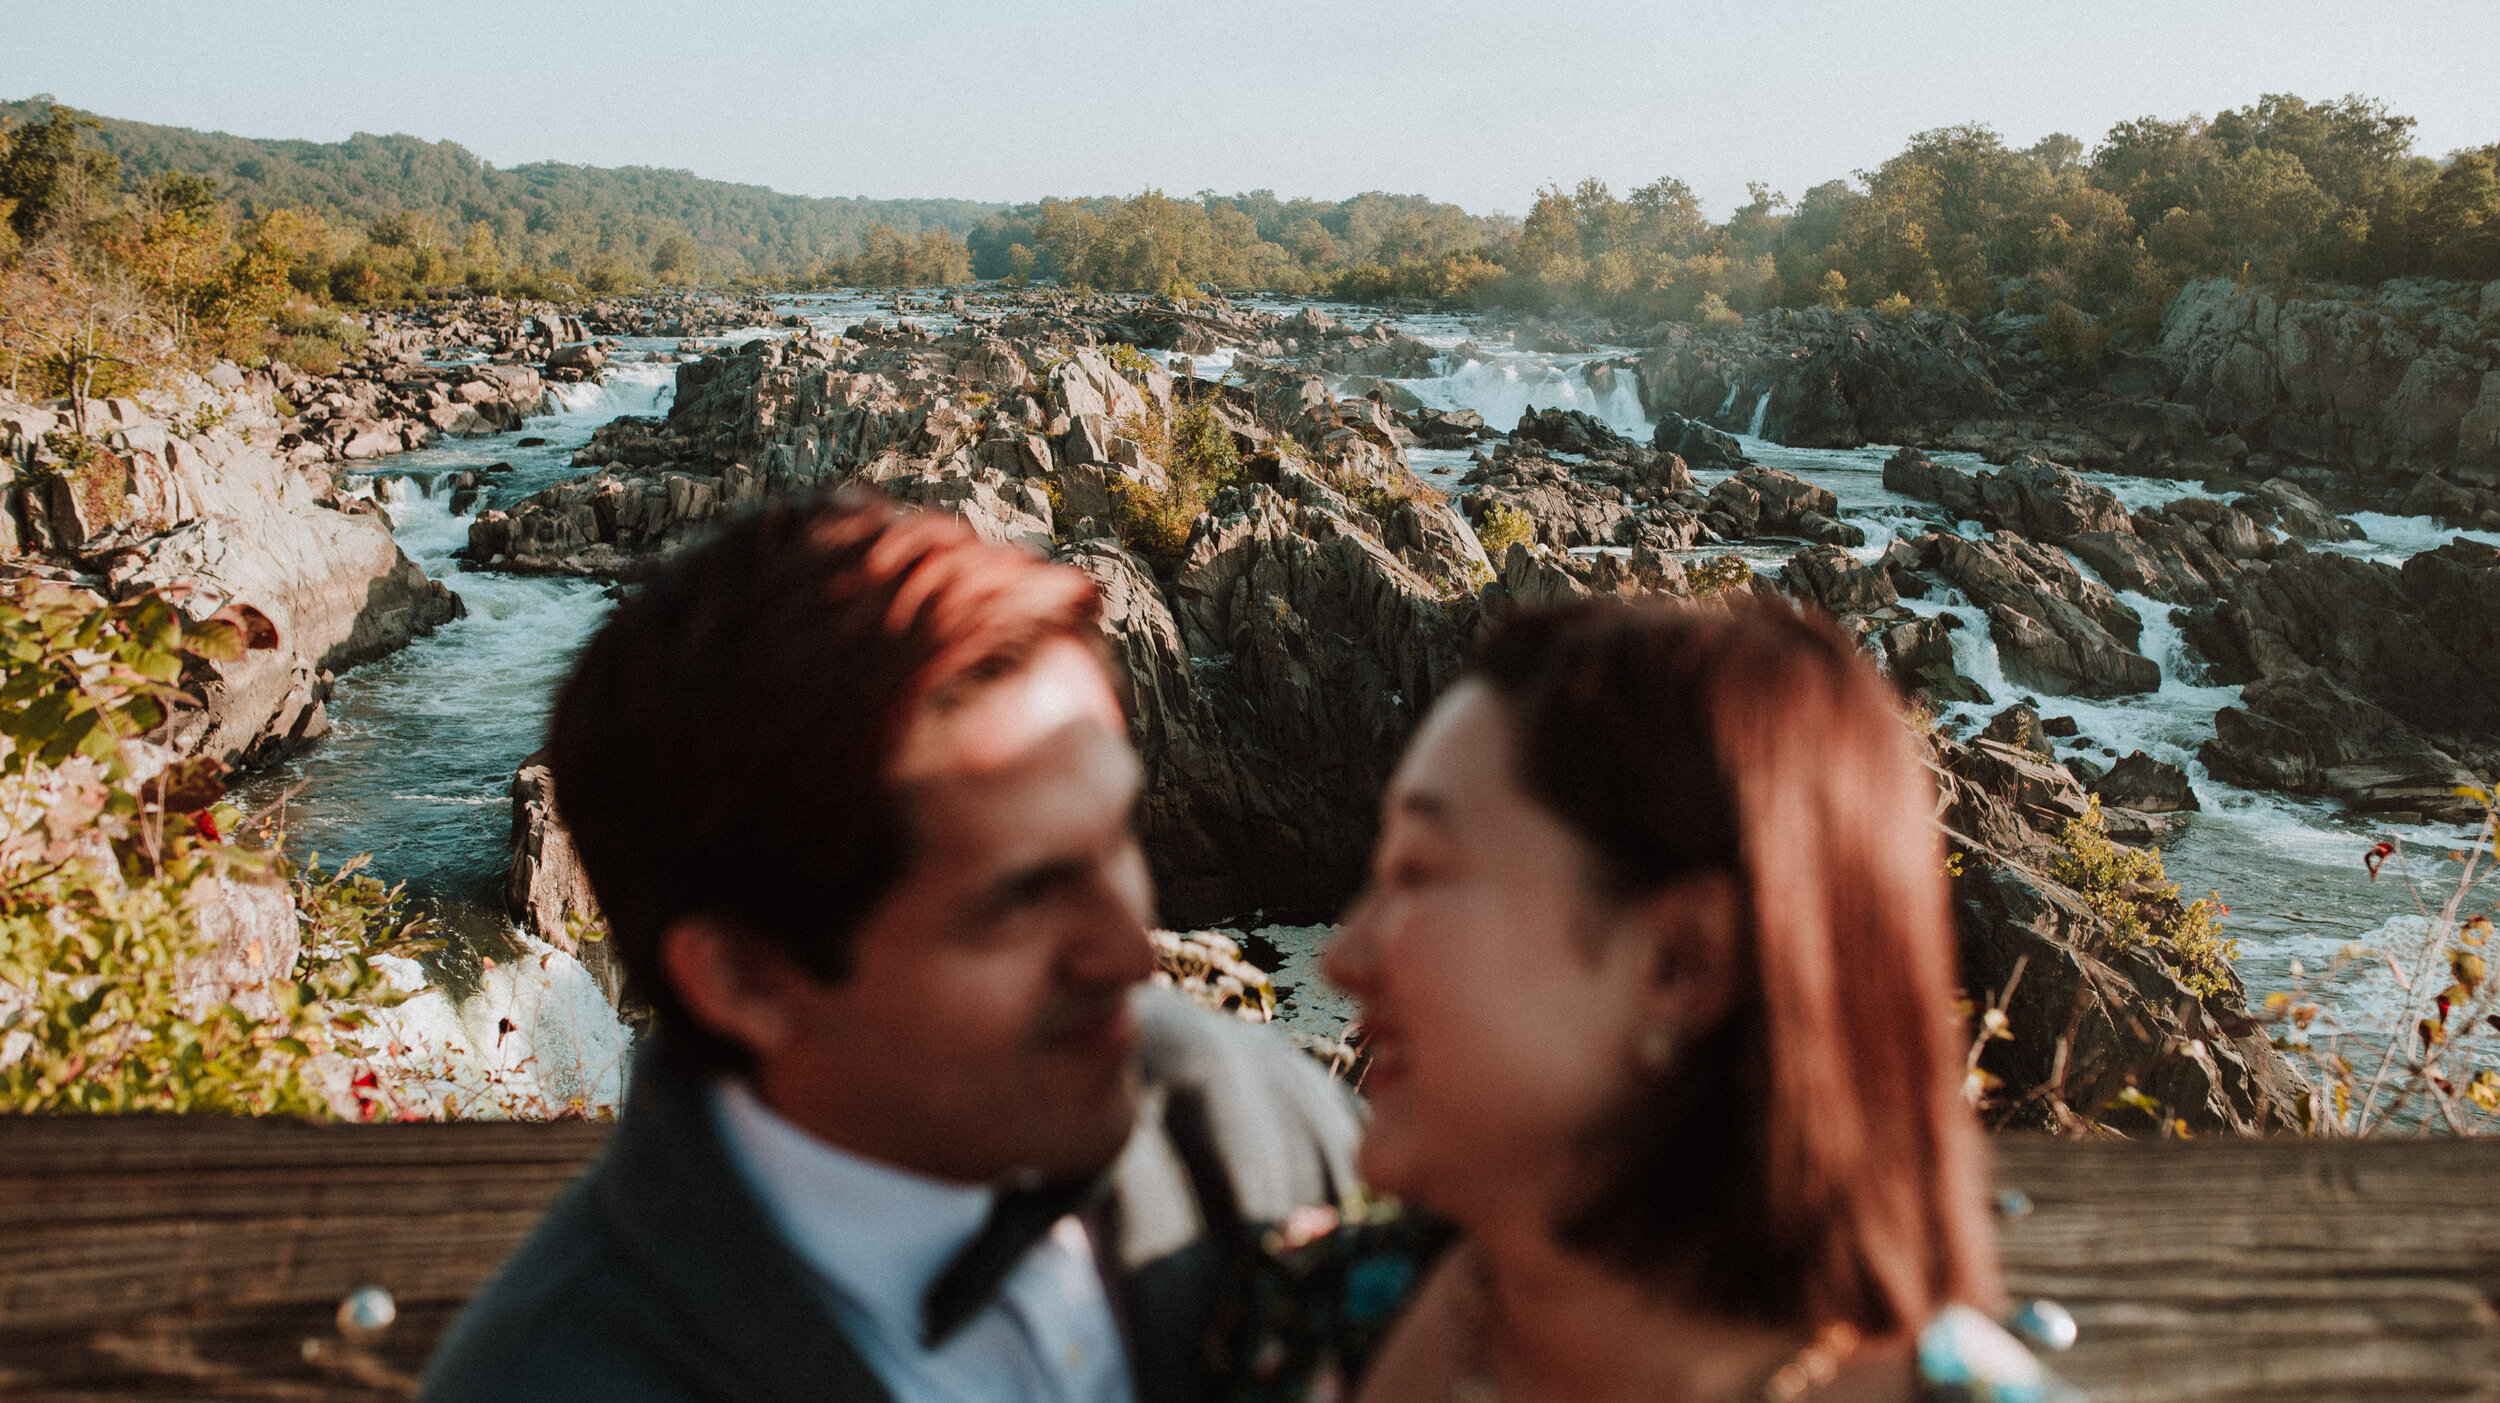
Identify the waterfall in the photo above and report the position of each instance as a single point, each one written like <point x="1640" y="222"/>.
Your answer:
<point x="1761" y="411"/>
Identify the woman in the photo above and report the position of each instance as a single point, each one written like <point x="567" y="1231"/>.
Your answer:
<point x="1657" y="973"/>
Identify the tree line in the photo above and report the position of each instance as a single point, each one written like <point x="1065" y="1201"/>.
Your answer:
<point x="450" y="219"/>
<point x="2282" y="189"/>
<point x="124" y="236"/>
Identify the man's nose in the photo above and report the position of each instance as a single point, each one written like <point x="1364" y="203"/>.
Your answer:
<point x="1110" y="945"/>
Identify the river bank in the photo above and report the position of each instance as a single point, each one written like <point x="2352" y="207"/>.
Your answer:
<point x="421" y="770"/>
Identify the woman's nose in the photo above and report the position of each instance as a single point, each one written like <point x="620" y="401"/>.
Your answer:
<point x="1350" y="960"/>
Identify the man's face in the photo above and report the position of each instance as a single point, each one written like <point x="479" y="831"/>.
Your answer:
<point x="985" y="1029"/>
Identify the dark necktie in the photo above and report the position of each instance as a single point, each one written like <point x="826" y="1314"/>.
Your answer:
<point x="1017" y="1221"/>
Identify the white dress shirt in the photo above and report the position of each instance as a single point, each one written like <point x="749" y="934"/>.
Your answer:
<point x="877" y="1236"/>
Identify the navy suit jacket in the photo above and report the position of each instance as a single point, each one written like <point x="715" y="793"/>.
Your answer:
<point x="659" y="1276"/>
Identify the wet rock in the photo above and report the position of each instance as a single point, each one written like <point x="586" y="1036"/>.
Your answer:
<point x="1568" y="431"/>
<point x="547" y="893"/>
<point x="1705" y="448"/>
<point x="2285" y="507"/>
<point x="2019" y="726"/>
<point x="2147" y="785"/>
<point x="2317" y="736"/>
<point x="1918" y="653"/>
<point x="2055" y="630"/>
<point x="1448" y="428"/>
<point x="577" y="362"/>
<point x="1833" y="579"/>
<point x="1758" y="501"/>
<point x="1914" y="474"/>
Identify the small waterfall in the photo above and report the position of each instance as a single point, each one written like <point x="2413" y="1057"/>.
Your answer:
<point x="1503" y="389"/>
<point x="1725" y="405"/>
<point x="1761" y="411"/>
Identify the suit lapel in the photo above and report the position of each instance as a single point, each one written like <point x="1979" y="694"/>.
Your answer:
<point x="702" y="1243"/>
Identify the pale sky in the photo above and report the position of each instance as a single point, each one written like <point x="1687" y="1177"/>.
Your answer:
<point x="1463" y="100"/>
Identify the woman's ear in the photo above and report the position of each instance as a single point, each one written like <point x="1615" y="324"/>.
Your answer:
<point x="734" y="985"/>
<point x="1692" y="926"/>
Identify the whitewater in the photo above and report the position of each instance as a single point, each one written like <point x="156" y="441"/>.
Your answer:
<point x="418" y="770"/>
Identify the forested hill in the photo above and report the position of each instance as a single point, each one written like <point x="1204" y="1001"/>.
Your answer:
<point x="544" y="212"/>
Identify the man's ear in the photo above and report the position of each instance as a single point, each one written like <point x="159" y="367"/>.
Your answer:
<point x="1692" y="923"/>
<point x="735" y="985"/>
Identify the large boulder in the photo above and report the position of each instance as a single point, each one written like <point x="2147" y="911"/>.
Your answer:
<point x="2146" y="785"/>
<point x="2088" y="1016"/>
<point x="1758" y="501"/>
<point x="216" y="513"/>
<point x="1705" y="448"/>
<point x="547" y="892"/>
<point x="1271" y="690"/>
<point x="2055" y="629"/>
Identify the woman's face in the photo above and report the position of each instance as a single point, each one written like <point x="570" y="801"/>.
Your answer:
<point x="1503" y="997"/>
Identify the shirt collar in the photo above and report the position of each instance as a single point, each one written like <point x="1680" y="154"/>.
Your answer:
<point x="879" y="1235"/>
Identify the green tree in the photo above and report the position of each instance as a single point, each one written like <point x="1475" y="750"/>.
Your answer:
<point x="55" y="177"/>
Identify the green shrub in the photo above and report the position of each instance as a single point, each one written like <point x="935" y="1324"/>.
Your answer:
<point x="1504" y="526"/>
<point x="2127" y="888"/>
<point x="1895" y="308"/>
<point x="1198" y="459"/>
<point x="106" y="861"/>
<point x="1128" y="360"/>
<point x="2072" y="340"/>
<point x="1716" y="576"/>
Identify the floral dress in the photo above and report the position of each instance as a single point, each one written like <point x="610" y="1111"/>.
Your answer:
<point x="1304" y="1318"/>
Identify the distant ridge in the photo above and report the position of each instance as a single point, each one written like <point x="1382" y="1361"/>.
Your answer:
<point x="747" y="229"/>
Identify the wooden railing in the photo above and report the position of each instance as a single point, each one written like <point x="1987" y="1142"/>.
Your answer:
<point x="208" y="1258"/>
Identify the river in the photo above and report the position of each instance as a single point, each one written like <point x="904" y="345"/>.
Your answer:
<point x="419" y="767"/>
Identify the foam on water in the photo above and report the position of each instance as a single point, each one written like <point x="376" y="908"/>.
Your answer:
<point x="427" y="739"/>
<point x="1503" y="388"/>
<point x="535" y="1038"/>
<point x="418" y="771"/>
<point x="2396" y="539"/>
<point x="2290" y="868"/>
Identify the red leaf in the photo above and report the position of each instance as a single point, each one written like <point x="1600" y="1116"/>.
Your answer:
<point x="2377" y="855"/>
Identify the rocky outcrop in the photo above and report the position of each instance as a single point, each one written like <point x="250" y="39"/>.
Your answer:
<point x="2055" y="629"/>
<point x="1821" y="379"/>
<point x="1585" y="504"/>
<point x="2363" y="681"/>
<point x="1273" y="681"/>
<point x="547" y="893"/>
<point x="2089" y="1017"/>
<point x="377" y="408"/>
<point x="186" y="495"/>
<point x="1757" y="501"/>
<point x="2381" y="387"/>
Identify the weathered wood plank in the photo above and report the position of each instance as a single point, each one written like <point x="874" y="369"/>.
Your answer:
<point x="196" y="1258"/>
<point x="2229" y="1270"/>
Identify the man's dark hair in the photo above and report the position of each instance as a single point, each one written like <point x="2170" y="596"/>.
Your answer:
<point x="722" y="748"/>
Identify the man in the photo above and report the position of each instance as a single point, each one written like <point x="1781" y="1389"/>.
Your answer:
<point x="854" y="791"/>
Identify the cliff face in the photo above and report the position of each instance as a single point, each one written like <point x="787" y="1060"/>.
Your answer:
<point x="185" y="491"/>
<point x="2383" y="386"/>
<point x="2387" y="398"/>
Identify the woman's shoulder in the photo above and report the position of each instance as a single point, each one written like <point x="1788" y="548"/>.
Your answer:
<point x="1964" y="1357"/>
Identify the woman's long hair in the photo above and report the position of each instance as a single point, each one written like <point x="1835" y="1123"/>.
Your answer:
<point x="1809" y="1158"/>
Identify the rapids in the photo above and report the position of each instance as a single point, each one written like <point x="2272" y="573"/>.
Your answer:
<point x="419" y="767"/>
